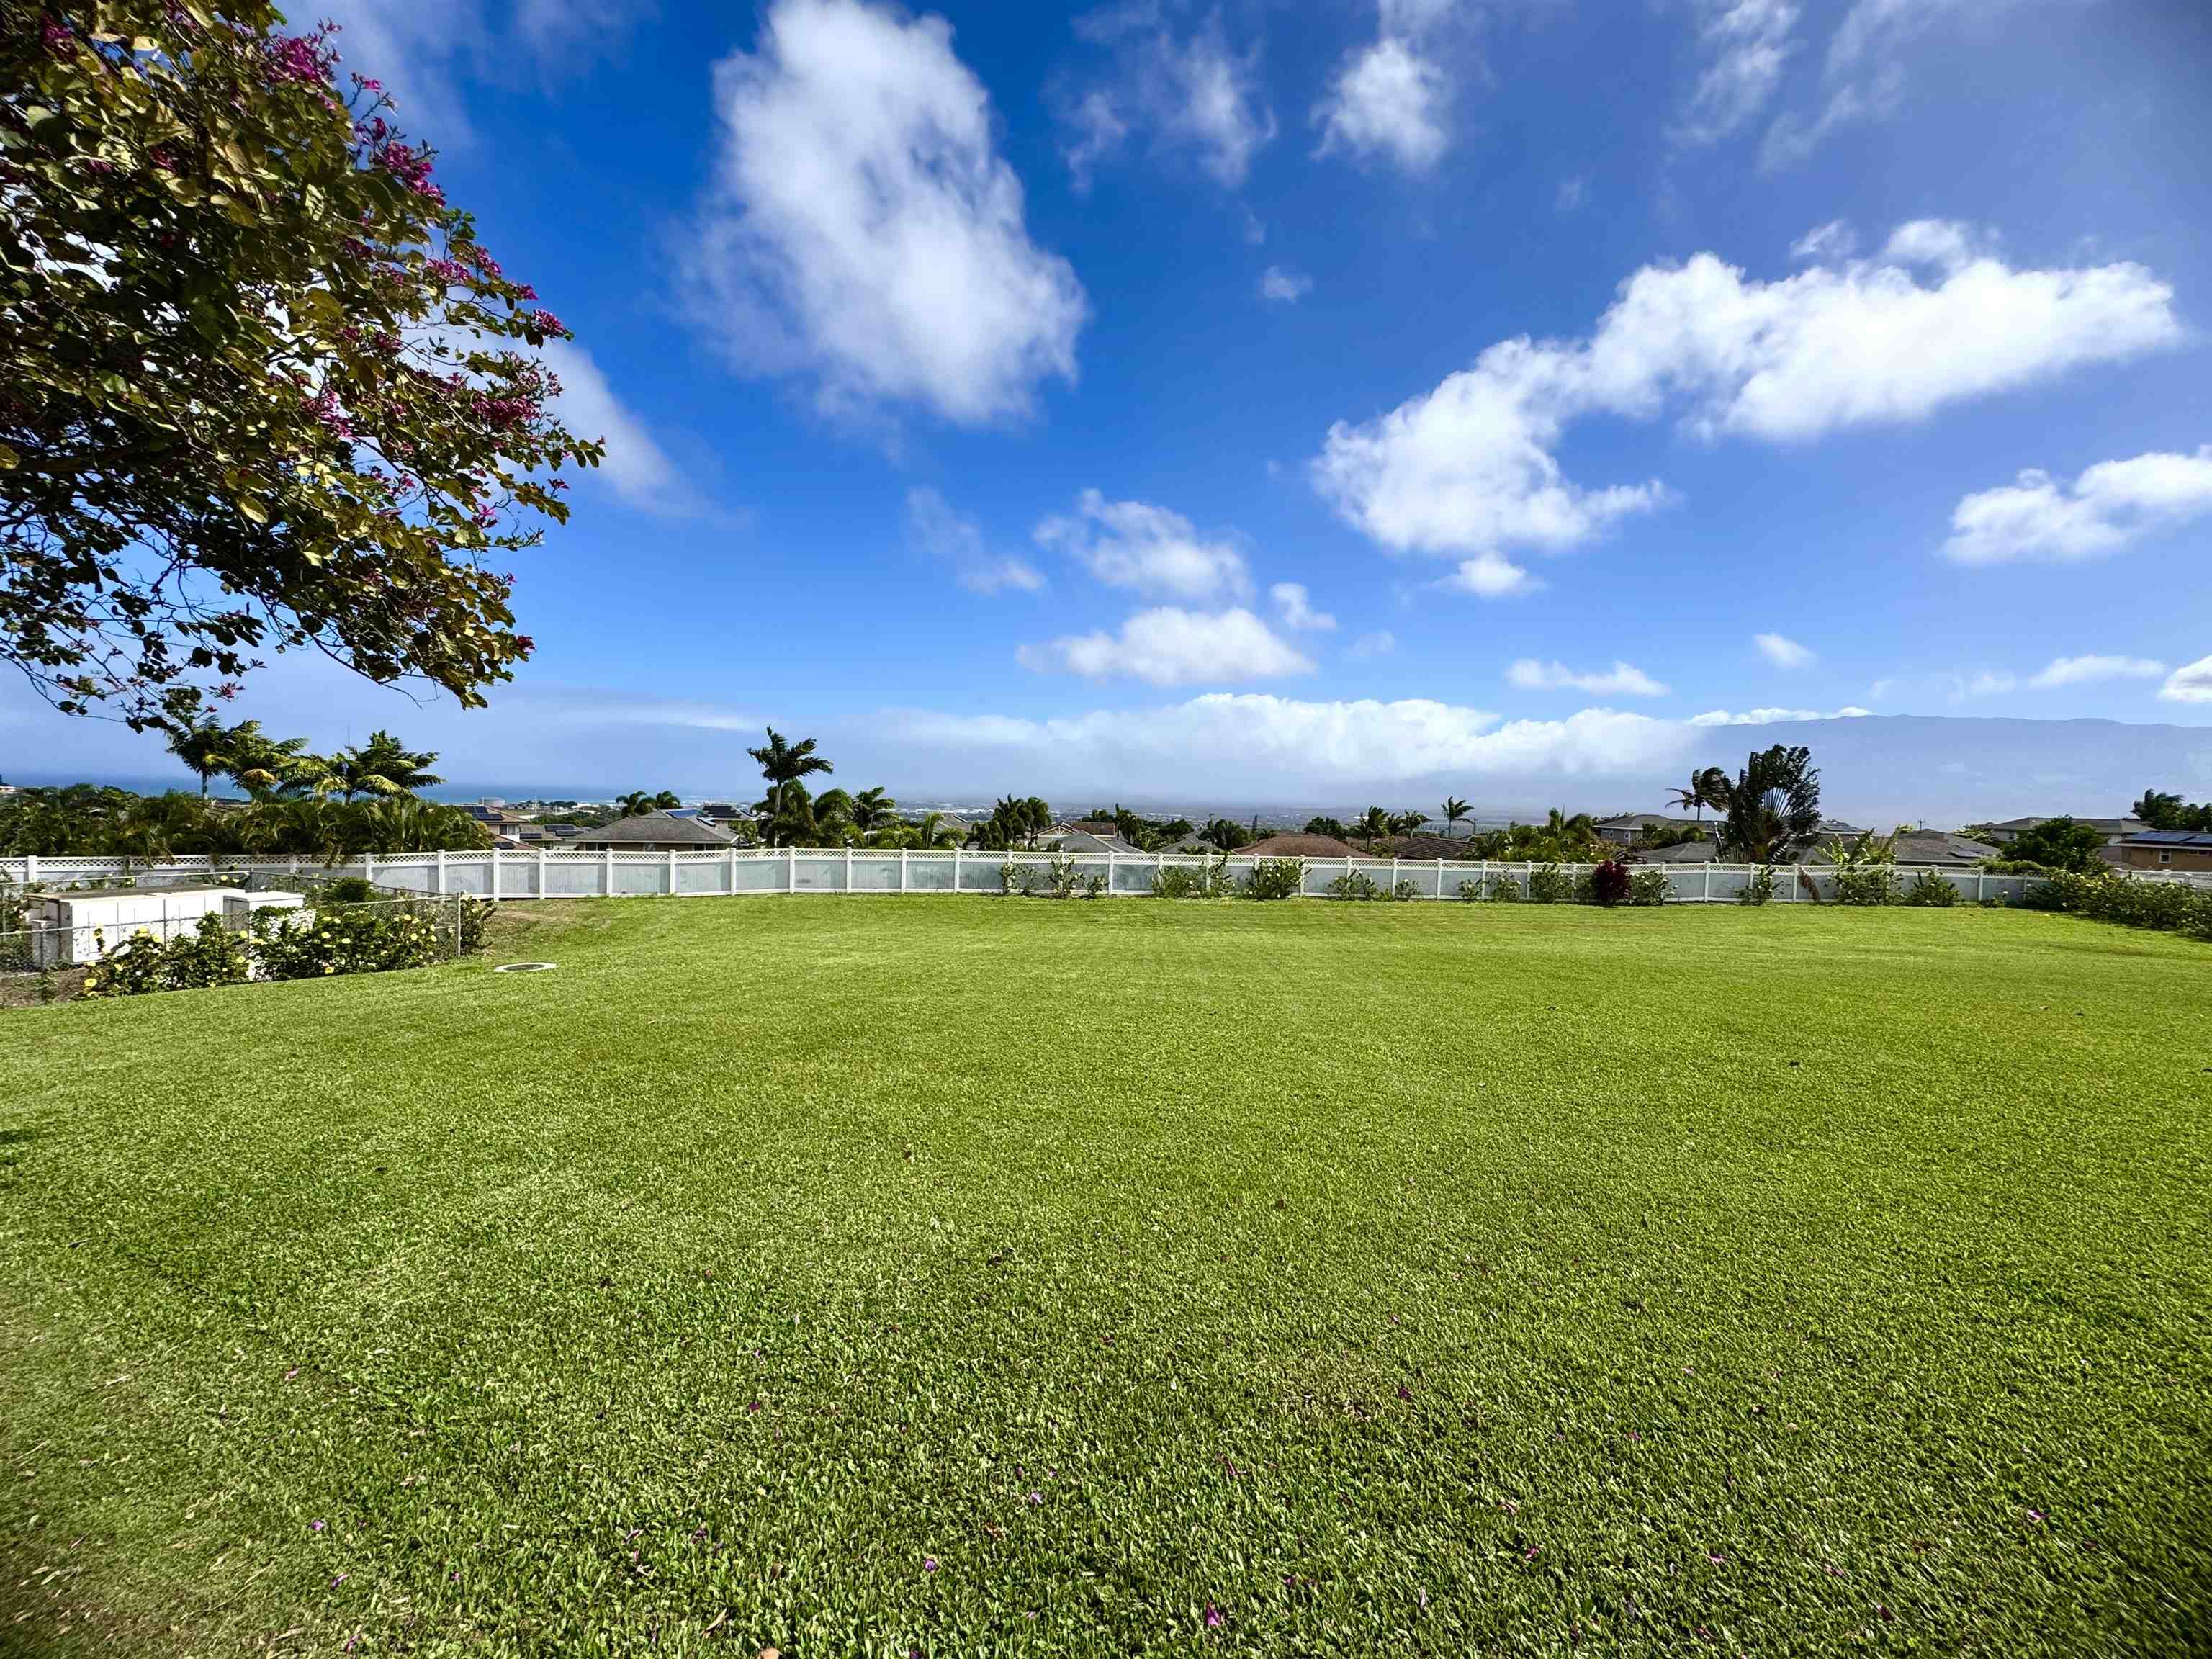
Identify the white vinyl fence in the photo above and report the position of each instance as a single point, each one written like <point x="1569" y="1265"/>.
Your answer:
<point x="566" y="874"/>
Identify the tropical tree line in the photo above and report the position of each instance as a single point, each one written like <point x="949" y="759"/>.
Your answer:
<point x="282" y="768"/>
<point x="89" y="821"/>
<point x="788" y="814"/>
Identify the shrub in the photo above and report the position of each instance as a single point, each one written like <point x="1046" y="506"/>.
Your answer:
<point x="1504" y="889"/>
<point x="1609" y="883"/>
<point x="1470" y="890"/>
<point x="208" y="955"/>
<point x="1759" y="889"/>
<point x="1650" y="886"/>
<point x="1094" y="885"/>
<point x="344" y="889"/>
<point x="1404" y="890"/>
<point x="1208" y="880"/>
<point x="1061" y="878"/>
<point x="2169" y="907"/>
<point x="1931" y="889"/>
<point x="344" y="939"/>
<point x="1866" y="884"/>
<point x="1013" y="879"/>
<point x="1549" y="884"/>
<point x="1277" y="879"/>
<point x="1354" y="885"/>
<point x="469" y="930"/>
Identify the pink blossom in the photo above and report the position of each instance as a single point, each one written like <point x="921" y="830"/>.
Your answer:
<point x="1212" y="1617"/>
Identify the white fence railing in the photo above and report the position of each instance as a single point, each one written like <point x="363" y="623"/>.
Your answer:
<point x="565" y="874"/>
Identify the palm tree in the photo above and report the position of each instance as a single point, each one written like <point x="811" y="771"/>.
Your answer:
<point x="872" y="809"/>
<point x="270" y="769"/>
<point x="1455" y="810"/>
<point x="1372" y="826"/>
<point x="382" y="766"/>
<point x="639" y="802"/>
<point x="833" y="818"/>
<point x="1225" y="835"/>
<point x="204" y="746"/>
<point x="667" y="800"/>
<point x="784" y="763"/>
<point x="1772" y="807"/>
<point x="1703" y="790"/>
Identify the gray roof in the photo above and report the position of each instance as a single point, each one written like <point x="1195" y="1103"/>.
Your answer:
<point x="656" y="829"/>
<point x="1082" y="840"/>
<point x="2109" y="826"/>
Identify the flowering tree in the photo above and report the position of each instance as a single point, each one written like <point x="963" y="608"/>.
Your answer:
<point x="260" y="386"/>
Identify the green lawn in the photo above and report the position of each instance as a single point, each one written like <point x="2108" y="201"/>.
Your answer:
<point x="974" y="1276"/>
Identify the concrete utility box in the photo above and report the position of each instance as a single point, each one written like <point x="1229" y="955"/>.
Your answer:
<point x="74" y="929"/>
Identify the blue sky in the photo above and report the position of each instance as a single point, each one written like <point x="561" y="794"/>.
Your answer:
<point x="1299" y="400"/>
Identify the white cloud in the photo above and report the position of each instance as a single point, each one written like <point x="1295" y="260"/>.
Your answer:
<point x="1151" y="549"/>
<point x="1621" y="680"/>
<point x="1783" y="650"/>
<point x="1748" y="43"/>
<point x="1168" y="646"/>
<point x="1295" y="605"/>
<point x="1776" y="716"/>
<point x="1572" y="194"/>
<point x="1192" y="94"/>
<point x="944" y="534"/>
<point x="1469" y="467"/>
<point x="1826" y="245"/>
<point x="1488" y="576"/>
<point x="1288" y="287"/>
<point x="2190" y="684"/>
<point x="862" y="229"/>
<point x="1988" y="682"/>
<point x="2111" y="505"/>
<point x="636" y="467"/>
<point x="1238" y="737"/>
<point x="1390" y="100"/>
<point x="1368" y="647"/>
<point x="2087" y="670"/>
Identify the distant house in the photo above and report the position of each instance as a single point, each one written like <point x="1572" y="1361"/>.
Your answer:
<point x="2114" y="830"/>
<point x="2163" y="849"/>
<point x="1424" y="847"/>
<point x="497" y="819"/>
<point x="1089" y="843"/>
<point x="1300" y="847"/>
<point x="1624" y="829"/>
<point x="655" y="832"/>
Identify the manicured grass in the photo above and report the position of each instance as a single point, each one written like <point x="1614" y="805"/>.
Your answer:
<point x="976" y="1276"/>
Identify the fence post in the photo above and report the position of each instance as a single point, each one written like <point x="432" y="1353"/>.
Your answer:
<point x="849" y="869"/>
<point x="668" y="878"/>
<point x="1981" y="885"/>
<point x="1109" y="872"/>
<point x="30" y="868"/>
<point x="902" y="869"/>
<point x="442" y="870"/>
<point x="730" y="872"/>
<point x="791" y="869"/>
<point x="494" y="877"/>
<point x="1705" y="886"/>
<point x="1440" y="878"/>
<point x="541" y="872"/>
<point x="607" y="872"/>
<point x="955" y="869"/>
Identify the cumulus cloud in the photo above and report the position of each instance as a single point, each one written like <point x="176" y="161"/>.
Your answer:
<point x="942" y="533"/>
<point x="1775" y="716"/>
<point x="1191" y="93"/>
<point x="1286" y="287"/>
<point x="1783" y="650"/>
<point x="1151" y="549"/>
<point x="1387" y="100"/>
<point x="1828" y="244"/>
<point x="1746" y="45"/>
<point x="1621" y="680"/>
<point x="1169" y="646"/>
<point x="2110" y="507"/>
<point x="2087" y="669"/>
<point x="1236" y="737"/>
<point x="1295" y="606"/>
<point x="1469" y="467"/>
<point x="862" y="230"/>
<point x="1488" y="576"/>
<point x="2190" y="684"/>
